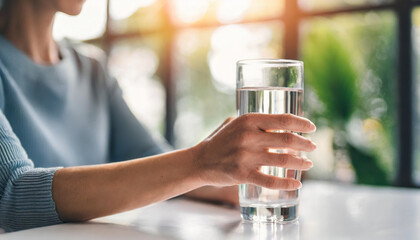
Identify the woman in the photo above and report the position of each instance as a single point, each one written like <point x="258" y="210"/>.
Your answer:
<point x="60" y="108"/>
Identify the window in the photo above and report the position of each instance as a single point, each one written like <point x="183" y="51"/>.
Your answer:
<point x="206" y="72"/>
<point x="350" y="74"/>
<point x="416" y="49"/>
<point x="360" y="87"/>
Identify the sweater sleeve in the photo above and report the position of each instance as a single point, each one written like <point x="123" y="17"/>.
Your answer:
<point x="129" y="139"/>
<point x="25" y="192"/>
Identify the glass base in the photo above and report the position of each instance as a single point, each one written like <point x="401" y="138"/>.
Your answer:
<point x="261" y="213"/>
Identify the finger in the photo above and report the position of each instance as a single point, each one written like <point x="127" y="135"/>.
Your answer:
<point x="285" y="141"/>
<point x="272" y="182"/>
<point x="285" y="161"/>
<point x="291" y="173"/>
<point x="286" y="122"/>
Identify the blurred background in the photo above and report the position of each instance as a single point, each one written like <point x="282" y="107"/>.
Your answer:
<point x="175" y="61"/>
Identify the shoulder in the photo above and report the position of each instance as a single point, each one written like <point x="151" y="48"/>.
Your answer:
<point x="89" y="59"/>
<point x="92" y="60"/>
<point x="85" y="55"/>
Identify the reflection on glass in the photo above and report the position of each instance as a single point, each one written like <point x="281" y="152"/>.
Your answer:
<point x="205" y="73"/>
<point x="89" y="24"/>
<point x="267" y="231"/>
<point x="319" y="5"/>
<point x="134" y="64"/>
<point x="350" y="95"/>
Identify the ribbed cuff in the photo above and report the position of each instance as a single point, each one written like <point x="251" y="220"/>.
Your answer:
<point x="27" y="201"/>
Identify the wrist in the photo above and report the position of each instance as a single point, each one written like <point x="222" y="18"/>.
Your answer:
<point x="195" y="170"/>
<point x="200" y="170"/>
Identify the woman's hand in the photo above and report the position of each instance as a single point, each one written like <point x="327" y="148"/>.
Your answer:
<point x="234" y="153"/>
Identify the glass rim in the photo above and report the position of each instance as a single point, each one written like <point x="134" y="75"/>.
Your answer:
<point x="271" y="61"/>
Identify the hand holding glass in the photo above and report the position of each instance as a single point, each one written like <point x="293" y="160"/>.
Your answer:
<point x="271" y="87"/>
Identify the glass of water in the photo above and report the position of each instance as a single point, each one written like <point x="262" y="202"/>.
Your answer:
<point x="270" y="86"/>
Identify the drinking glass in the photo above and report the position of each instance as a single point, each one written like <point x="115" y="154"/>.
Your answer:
<point x="270" y="86"/>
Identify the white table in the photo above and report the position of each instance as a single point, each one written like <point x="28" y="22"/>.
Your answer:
<point x="327" y="211"/>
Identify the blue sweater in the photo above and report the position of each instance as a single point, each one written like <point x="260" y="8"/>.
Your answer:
<point x="67" y="114"/>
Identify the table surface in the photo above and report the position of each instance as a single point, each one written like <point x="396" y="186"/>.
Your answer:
<point x="327" y="211"/>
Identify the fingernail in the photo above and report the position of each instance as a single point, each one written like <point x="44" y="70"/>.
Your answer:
<point x="297" y="185"/>
<point x="308" y="164"/>
<point x="313" y="126"/>
<point x="313" y="145"/>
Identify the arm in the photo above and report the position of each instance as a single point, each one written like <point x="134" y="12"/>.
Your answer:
<point x="25" y="192"/>
<point x="215" y="194"/>
<point x="233" y="155"/>
<point x="131" y="140"/>
<point x="83" y="193"/>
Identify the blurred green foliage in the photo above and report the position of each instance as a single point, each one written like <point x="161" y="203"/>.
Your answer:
<point x="349" y="64"/>
<point x="332" y="76"/>
<point x="288" y="77"/>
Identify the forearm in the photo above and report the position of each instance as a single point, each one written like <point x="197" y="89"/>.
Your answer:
<point x="83" y="193"/>
<point x="232" y="155"/>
